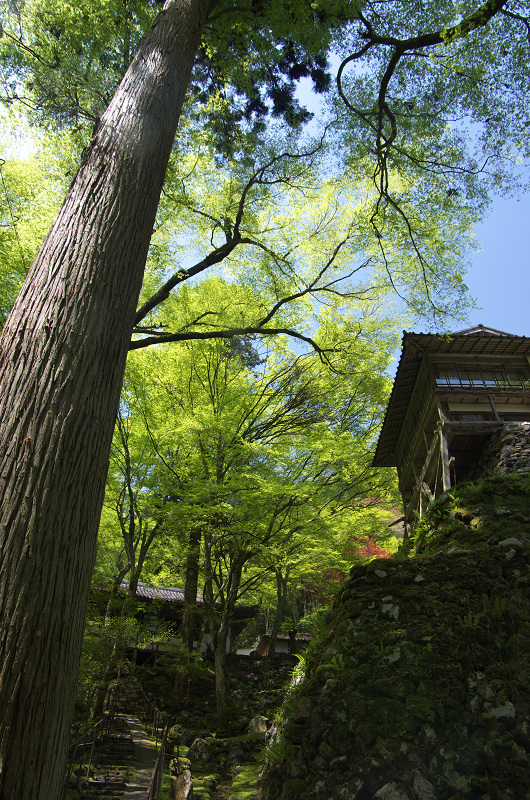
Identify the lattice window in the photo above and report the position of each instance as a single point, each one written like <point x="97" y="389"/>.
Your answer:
<point x="482" y="377"/>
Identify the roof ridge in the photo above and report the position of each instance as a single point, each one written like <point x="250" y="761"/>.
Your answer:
<point x="483" y="330"/>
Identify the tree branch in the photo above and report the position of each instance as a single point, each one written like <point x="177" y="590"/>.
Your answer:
<point x="183" y="275"/>
<point x="228" y="334"/>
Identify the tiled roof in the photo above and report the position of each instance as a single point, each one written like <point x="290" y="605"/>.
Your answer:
<point x="169" y="593"/>
<point x="482" y="330"/>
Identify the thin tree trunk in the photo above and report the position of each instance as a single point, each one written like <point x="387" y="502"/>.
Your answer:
<point x="114" y="591"/>
<point x="190" y="587"/>
<point x="62" y="358"/>
<point x="97" y="704"/>
<point x="281" y="595"/>
<point x="128" y="608"/>
<point x="219" y="619"/>
<point x="220" y="668"/>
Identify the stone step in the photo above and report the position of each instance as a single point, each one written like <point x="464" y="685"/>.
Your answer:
<point x="113" y="783"/>
<point x="114" y="760"/>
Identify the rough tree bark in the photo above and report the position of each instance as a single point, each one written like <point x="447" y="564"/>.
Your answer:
<point x="62" y="357"/>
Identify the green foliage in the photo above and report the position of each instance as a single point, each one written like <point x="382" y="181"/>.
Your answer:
<point x="411" y="216"/>
<point x="497" y="608"/>
<point x="69" y="57"/>
<point x="337" y="663"/>
<point x="315" y="623"/>
<point x="469" y="620"/>
<point x="29" y="198"/>
<point x="463" y="517"/>
<point x="261" y="450"/>
<point x="102" y="638"/>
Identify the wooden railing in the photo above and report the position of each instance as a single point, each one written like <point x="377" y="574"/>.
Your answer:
<point x="87" y="740"/>
<point x="89" y="737"/>
<point x="156" y="778"/>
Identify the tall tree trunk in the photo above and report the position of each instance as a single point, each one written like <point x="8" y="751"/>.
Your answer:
<point x="98" y="700"/>
<point x="190" y="587"/>
<point x="220" y="666"/>
<point x="281" y="595"/>
<point x="116" y="583"/>
<point x="218" y="619"/>
<point x="62" y="358"/>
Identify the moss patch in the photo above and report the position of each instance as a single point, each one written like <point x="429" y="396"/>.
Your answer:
<point x="244" y="783"/>
<point x="422" y="678"/>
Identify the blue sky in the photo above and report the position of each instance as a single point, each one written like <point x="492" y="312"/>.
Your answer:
<point x="499" y="278"/>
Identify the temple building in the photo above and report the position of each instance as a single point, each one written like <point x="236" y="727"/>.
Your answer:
<point x="159" y="611"/>
<point x="451" y="395"/>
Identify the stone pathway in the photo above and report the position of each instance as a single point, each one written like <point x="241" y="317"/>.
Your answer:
<point x="116" y="760"/>
<point x="146" y="754"/>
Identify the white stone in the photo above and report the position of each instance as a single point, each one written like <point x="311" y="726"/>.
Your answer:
<point x="380" y="573"/>
<point x="419" y="579"/>
<point x="351" y="792"/>
<point x="390" y="609"/>
<point x="395" y="655"/>
<point x="513" y="542"/>
<point x="390" y="791"/>
<point x="258" y="725"/>
<point x="507" y="710"/>
<point x="486" y="692"/>
<point x="474" y="704"/>
<point x="455" y="780"/>
<point x="422" y="788"/>
<point x="181" y="786"/>
<point x="519" y="752"/>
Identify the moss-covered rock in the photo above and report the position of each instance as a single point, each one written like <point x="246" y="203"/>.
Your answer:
<point x="420" y="686"/>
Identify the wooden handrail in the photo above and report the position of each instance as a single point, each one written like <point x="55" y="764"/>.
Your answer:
<point x="156" y="777"/>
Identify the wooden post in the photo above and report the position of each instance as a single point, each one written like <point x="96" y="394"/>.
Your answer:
<point x="440" y="409"/>
<point x="427" y="490"/>
<point x="417" y="499"/>
<point x="405" y="528"/>
<point x="494" y="407"/>
<point x="444" y="452"/>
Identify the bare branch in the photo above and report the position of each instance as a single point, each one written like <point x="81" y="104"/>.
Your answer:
<point x="386" y="126"/>
<point x="229" y="334"/>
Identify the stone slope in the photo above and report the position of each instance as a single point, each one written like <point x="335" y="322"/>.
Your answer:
<point x="419" y="687"/>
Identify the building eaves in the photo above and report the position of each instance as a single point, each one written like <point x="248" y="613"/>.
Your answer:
<point x="170" y="594"/>
<point x="477" y="341"/>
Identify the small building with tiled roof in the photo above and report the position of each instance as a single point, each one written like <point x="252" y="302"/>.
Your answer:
<point x="286" y="643"/>
<point x="451" y="394"/>
<point x="165" y="604"/>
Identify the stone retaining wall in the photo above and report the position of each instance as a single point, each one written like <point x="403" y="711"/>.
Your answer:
<point x="509" y="450"/>
<point x="418" y="689"/>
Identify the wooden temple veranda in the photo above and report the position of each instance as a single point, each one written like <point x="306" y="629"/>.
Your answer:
<point x="451" y="394"/>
